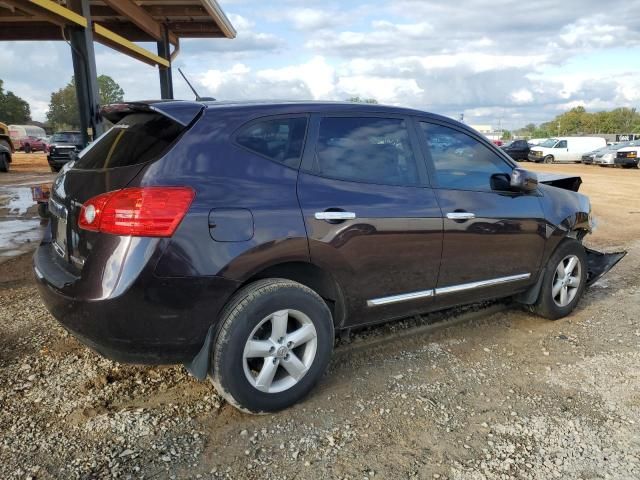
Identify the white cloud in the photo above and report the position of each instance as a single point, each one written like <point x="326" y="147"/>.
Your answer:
<point x="522" y="96"/>
<point x="309" y="18"/>
<point x="317" y="74"/>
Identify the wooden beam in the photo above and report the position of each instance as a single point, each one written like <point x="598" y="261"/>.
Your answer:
<point x="61" y="11"/>
<point x="32" y="31"/>
<point x="121" y="44"/>
<point x="141" y="18"/>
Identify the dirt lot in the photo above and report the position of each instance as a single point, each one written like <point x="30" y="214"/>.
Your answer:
<point x="488" y="393"/>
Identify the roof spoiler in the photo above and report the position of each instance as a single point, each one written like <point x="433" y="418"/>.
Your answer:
<point x="180" y="112"/>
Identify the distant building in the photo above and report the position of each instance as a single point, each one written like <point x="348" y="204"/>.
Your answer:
<point x="488" y="131"/>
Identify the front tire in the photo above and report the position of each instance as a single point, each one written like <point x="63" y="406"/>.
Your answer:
<point x="565" y="278"/>
<point x="548" y="159"/>
<point x="27" y="148"/>
<point x="273" y="345"/>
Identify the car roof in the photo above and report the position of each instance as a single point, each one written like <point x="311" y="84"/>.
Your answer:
<point x="302" y="105"/>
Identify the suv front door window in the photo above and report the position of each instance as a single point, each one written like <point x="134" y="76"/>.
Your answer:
<point x="489" y="235"/>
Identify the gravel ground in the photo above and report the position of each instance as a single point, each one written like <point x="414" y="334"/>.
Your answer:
<point x="487" y="392"/>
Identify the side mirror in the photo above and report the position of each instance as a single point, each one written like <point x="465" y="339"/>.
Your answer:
<point x="523" y="180"/>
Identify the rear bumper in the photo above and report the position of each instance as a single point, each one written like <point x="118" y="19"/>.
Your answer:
<point x="154" y="321"/>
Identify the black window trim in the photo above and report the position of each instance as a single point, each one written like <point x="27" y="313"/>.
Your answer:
<point x="478" y="137"/>
<point x="284" y="116"/>
<point x="308" y="159"/>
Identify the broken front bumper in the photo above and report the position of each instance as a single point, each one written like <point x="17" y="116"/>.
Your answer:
<point x="599" y="263"/>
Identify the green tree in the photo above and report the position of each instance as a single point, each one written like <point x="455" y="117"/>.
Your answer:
<point x="13" y="109"/>
<point x="63" y="106"/>
<point x="506" y="135"/>
<point x="362" y="100"/>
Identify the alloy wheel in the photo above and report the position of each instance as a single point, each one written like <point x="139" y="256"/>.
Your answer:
<point x="280" y="351"/>
<point x="566" y="280"/>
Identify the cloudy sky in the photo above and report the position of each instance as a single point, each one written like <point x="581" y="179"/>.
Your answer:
<point x="503" y="62"/>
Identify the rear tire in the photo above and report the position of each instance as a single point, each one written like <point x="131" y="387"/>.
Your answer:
<point x="273" y="345"/>
<point x="565" y="278"/>
<point x="4" y="162"/>
<point x="548" y="159"/>
<point x="27" y="148"/>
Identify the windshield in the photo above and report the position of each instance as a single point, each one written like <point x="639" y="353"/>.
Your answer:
<point x="67" y="137"/>
<point x="549" y="143"/>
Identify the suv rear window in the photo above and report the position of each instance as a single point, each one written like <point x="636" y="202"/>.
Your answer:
<point x="366" y="149"/>
<point x="279" y="139"/>
<point x="137" y="138"/>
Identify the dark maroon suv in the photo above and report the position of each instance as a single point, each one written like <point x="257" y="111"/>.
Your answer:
<point x="237" y="238"/>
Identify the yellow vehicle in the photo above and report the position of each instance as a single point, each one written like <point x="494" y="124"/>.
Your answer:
<point x="6" y="148"/>
<point x="5" y="139"/>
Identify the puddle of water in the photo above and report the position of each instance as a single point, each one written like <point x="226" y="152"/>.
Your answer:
<point x="18" y="236"/>
<point x="20" y="200"/>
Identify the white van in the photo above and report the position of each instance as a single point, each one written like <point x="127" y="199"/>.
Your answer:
<point x="565" y="149"/>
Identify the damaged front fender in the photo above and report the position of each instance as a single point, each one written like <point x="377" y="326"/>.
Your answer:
<point x="599" y="263"/>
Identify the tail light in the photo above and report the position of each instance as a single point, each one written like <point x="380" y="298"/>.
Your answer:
<point x="139" y="212"/>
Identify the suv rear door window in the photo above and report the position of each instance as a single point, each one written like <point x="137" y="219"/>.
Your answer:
<point x="137" y="138"/>
<point x="366" y="149"/>
<point x="459" y="160"/>
<point x="279" y="139"/>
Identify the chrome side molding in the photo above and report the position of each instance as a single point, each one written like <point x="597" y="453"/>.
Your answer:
<point x="376" y="302"/>
<point x="482" y="283"/>
<point x="399" y="298"/>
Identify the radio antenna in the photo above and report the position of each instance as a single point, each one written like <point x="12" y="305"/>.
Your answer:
<point x="198" y="97"/>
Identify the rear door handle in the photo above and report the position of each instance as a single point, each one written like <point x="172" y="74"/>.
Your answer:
<point x="461" y="215"/>
<point x="335" y="215"/>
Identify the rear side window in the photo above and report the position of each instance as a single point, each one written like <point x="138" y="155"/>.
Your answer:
<point x="366" y="149"/>
<point x="279" y="139"/>
<point x="137" y="138"/>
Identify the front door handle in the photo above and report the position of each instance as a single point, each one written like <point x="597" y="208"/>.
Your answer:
<point x="335" y="215"/>
<point x="461" y="215"/>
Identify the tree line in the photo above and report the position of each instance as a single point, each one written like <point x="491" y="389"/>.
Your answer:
<point x="578" y="121"/>
<point x="63" y="111"/>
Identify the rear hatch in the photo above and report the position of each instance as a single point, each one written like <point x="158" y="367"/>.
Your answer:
<point x="142" y="134"/>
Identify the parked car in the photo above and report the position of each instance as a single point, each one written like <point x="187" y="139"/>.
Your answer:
<point x="5" y="158"/>
<point x="32" y="144"/>
<point x="62" y="148"/>
<point x="237" y="238"/>
<point x="565" y="149"/>
<point x="518" y="150"/>
<point x="589" y="157"/>
<point x="20" y="132"/>
<point x="627" y="156"/>
<point x="497" y="142"/>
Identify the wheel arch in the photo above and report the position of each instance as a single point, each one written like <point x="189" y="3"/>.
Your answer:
<point x="310" y="275"/>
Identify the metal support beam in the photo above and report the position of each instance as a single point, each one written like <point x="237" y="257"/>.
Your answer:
<point x="141" y="18"/>
<point x="166" y="80"/>
<point x="84" y="69"/>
